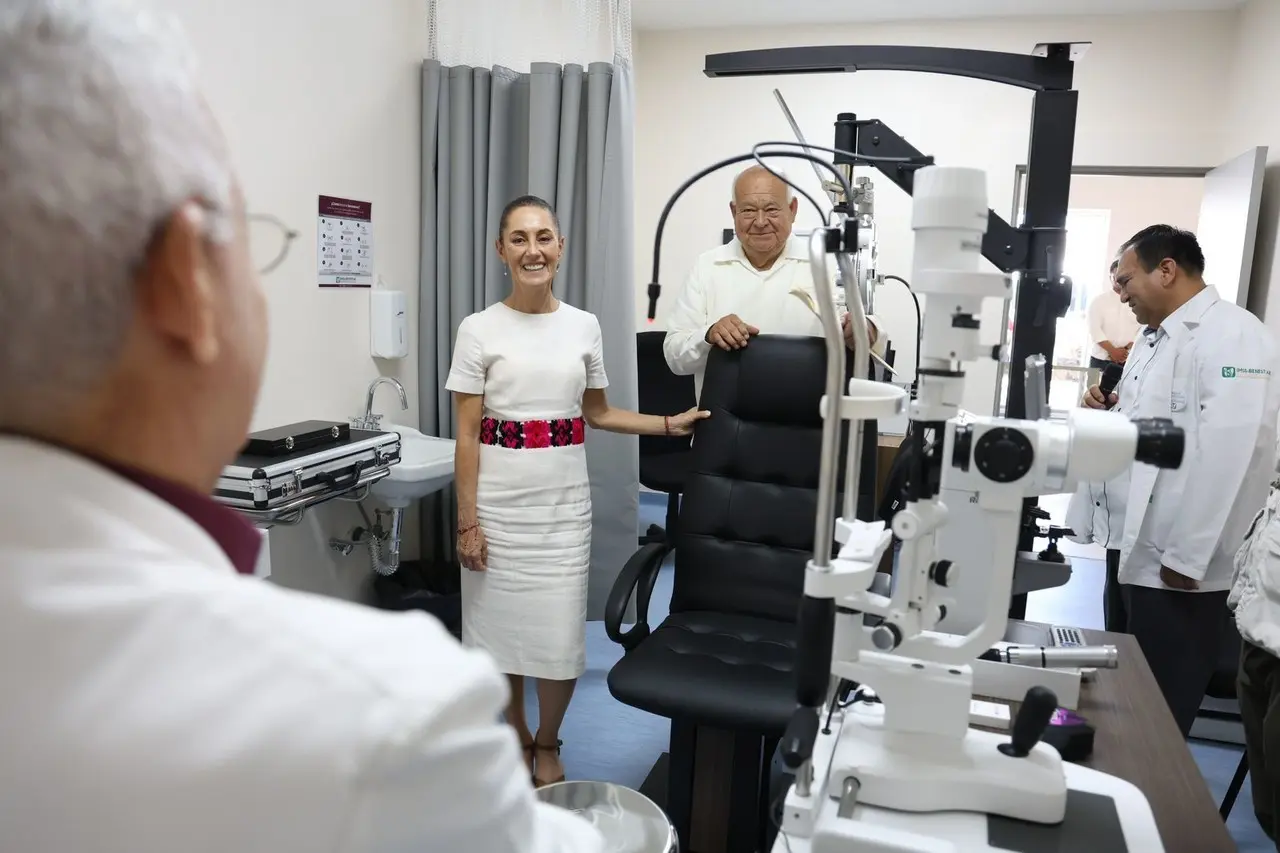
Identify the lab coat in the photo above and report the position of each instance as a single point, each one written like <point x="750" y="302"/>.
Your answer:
<point x="156" y="702"/>
<point x="1096" y="512"/>
<point x="724" y="282"/>
<point x="1214" y="376"/>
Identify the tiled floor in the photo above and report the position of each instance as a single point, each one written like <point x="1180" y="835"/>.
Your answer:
<point x="606" y="740"/>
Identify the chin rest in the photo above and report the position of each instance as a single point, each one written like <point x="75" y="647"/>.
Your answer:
<point x="720" y="665"/>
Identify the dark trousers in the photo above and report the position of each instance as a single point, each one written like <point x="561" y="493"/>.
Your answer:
<point x="1258" y="688"/>
<point x="1100" y="363"/>
<point x="1180" y="634"/>
<point x="1113" y="615"/>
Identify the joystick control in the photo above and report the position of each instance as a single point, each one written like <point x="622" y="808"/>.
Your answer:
<point x="1033" y="718"/>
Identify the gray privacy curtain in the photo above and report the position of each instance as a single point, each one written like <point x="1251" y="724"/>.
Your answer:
<point x="563" y="133"/>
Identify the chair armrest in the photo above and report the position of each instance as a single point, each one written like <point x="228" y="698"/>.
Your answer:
<point x="638" y="575"/>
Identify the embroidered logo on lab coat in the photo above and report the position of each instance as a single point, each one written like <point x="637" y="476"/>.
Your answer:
<point x="1245" y="373"/>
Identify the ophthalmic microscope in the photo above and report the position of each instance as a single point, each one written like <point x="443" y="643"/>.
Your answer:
<point x="906" y="772"/>
<point x="903" y="771"/>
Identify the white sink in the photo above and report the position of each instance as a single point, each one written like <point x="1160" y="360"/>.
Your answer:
<point x="426" y="466"/>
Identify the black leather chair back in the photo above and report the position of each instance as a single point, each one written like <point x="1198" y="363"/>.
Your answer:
<point x="659" y="392"/>
<point x="750" y="500"/>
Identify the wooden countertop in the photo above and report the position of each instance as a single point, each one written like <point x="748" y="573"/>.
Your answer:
<point x="1136" y="739"/>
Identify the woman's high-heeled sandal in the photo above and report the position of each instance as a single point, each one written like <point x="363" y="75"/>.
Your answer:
<point x="539" y="747"/>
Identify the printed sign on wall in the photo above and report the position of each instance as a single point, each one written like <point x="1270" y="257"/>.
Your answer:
<point x="344" y="239"/>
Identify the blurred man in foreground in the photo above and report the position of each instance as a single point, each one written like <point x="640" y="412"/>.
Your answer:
<point x="157" y="699"/>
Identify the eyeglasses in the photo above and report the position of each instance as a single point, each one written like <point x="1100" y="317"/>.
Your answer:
<point x="269" y="241"/>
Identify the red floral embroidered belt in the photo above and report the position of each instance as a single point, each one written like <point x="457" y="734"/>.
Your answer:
<point x="518" y="435"/>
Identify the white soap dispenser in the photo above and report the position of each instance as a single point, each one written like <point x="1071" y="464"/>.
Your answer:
<point x="388" y="322"/>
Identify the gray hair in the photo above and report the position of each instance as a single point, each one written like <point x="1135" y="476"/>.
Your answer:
<point x="774" y="165"/>
<point x="103" y="136"/>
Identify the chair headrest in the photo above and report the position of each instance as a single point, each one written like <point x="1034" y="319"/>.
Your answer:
<point x="775" y="379"/>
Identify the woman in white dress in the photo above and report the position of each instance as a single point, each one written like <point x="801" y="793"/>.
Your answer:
<point x="528" y="375"/>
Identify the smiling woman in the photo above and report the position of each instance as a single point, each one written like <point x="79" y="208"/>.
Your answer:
<point x="528" y="377"/>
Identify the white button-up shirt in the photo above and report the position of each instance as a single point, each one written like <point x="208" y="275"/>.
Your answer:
<point x="157" y="702"/>
<point x="1110" y="320"/>
<point x="724" y="282"/>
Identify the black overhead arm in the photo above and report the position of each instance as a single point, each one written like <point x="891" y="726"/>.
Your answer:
<point x="1034" y="249"/>
<point x="1042" y="73"/>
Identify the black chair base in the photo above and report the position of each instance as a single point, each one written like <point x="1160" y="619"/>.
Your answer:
<point x="1233" y="790"/>
<point x="715" y="787"/>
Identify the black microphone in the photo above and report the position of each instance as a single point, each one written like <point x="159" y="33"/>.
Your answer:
<point x="1110" y="379"/>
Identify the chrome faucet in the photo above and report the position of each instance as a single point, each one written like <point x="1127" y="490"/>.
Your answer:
<point x="370" y="420"/>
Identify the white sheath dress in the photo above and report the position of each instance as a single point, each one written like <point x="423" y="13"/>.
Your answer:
<point x="533" y="500"/>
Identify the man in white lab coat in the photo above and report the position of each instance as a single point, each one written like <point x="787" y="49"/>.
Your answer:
<point x="1208" y="365"/>
<point x="156" y="698"/>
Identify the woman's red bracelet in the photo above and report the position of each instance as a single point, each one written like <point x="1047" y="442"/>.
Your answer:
<point x="666" y="424"/>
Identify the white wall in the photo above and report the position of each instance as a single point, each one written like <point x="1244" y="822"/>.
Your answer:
<point x="318" y="97"/>
<point x="1252" y="119"/>
<point x="1138" y="106"/>
<point x="1136" y="202"/>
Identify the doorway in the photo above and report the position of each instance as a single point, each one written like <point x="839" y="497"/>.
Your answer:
<point x="1106" y="208"/>
<point x="1220" y="205"/>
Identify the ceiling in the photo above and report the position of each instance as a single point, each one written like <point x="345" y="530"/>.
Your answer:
<point x="681" y="14"/>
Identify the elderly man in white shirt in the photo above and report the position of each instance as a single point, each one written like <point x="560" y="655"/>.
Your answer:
<point x="743" y="288"/>
<point x="1209" y="366"/>
<point x="158" y="697"/>
<point x="1112" y="328"/>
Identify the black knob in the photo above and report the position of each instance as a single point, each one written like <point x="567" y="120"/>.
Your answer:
<point x="1033" y="718"/>
<point x="1160" y="443"/>
<point x="939" y="572"/>
<point x="1003" y="455"/>
<point x="797" y="741"/>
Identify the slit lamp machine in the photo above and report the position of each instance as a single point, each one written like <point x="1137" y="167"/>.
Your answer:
<point x="907" y="771"/>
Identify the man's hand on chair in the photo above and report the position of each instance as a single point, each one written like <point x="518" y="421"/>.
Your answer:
<point x="847" y="327"/>
<point x="731" y="332"/>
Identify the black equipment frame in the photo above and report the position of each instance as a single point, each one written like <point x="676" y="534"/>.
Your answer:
<point x="1034" y="249"/>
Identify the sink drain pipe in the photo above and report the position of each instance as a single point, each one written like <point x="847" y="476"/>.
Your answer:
<point x="384" y="542"/>
<point x="384" y="547"/>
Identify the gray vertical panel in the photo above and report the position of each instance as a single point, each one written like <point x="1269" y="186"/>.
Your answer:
<point x="571" y="284"/>
<point x="544" y="129"/>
